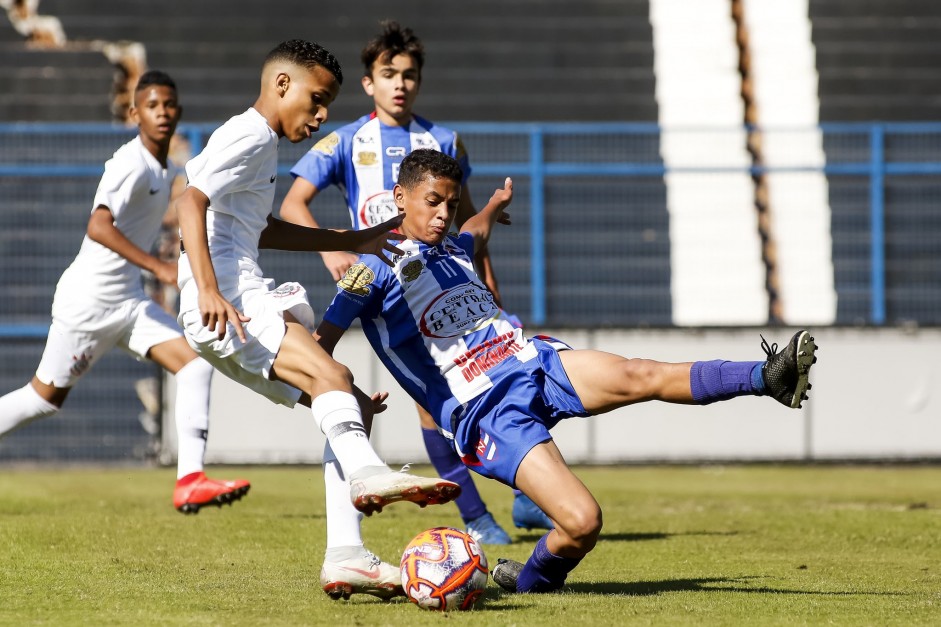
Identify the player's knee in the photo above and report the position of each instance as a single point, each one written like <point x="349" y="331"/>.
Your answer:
<point x="583" y="527"/>
<point x="640" y="377"/>
<point x="335" y="376"/>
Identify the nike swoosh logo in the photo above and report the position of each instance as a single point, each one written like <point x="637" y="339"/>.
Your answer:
<point x="365" y="573"/>
<point x="154" y="191"/>
<point x="273" y="178"/>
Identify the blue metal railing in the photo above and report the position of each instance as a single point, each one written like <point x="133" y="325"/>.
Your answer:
<point x="538" y="167"/>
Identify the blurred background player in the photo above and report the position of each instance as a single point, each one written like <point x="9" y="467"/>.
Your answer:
<point x="100" y="303"/>
<point x="261" y="335"/>
<point x="363" y="159"/>
<point x="496" y="392"/>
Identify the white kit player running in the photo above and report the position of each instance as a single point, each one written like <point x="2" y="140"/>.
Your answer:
<point x="261" y="335"/>
<point x="100" y="302"/>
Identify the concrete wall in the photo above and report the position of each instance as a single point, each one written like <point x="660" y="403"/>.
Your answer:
<point x="876" y="394"/>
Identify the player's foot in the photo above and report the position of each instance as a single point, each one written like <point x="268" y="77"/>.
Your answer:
<point x="196" y="490"/>
<point x="786" y="373"/>
<point x="372" y="493"/>
<point x="361" y="575"/>
<point x="527" y="515"/>
<point x="485" y="530"/>
<point x="506" y="572"/>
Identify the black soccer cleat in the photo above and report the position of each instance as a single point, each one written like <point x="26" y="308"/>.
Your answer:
<point x="786" y="373"/>
<point x="506" y="572"/>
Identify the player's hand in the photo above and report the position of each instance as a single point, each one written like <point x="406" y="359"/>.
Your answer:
<point x="375" y="239"/>
<point x="338" y="262"/>
<point x="502" y="198"/>
<point x="379" y="402"/>
<point x="217" y="312"/>
<point x="166" y="272"/>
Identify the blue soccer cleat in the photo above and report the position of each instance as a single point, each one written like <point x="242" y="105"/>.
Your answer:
<point x="485" y="530"/>
<point x="527" y="515"/>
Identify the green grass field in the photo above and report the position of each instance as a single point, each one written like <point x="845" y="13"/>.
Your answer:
<point x="715" y="545"/>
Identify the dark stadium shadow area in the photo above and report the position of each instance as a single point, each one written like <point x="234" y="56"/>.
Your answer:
<point x="640" y="536"/>
<point x="706" y="584"/>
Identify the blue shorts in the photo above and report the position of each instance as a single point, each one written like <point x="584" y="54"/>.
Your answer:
<point x="498" y="429"/>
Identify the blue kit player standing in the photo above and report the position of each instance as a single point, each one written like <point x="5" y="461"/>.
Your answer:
<point x="496" y="393"/>
<point x="363" y="160"/>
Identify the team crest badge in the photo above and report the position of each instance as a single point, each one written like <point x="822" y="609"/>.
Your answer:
<point x="411" y="270"/>
<point x="357" y="280"/>
<point x="366" y="158"/>
<point x="327" y="144"/>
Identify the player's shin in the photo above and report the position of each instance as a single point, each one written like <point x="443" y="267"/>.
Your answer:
<point x="22" y="406"/>
<point x="338" y="416"/>
<point x="192" y="415"/>
<point x="449" y="466"/>
<point x="343" y="520"/>
<point x="719" y="380"/>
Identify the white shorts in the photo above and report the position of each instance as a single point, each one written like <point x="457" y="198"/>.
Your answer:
<point x="250" y="363"/>
<point x="80" y="335"/>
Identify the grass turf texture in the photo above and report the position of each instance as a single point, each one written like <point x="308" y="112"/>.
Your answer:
<point x="713" y="545"/>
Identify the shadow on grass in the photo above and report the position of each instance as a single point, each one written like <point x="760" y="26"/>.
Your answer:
<point x="706" y="584"/>
<point x="640" y="537"/>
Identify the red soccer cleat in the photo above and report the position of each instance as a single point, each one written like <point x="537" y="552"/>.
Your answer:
<point x="196" y="490"/>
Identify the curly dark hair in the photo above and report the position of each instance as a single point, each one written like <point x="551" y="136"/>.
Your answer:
<point x="306" y="54"/>
<point x="392" y="41"/>
<point x="154" y="77"/>
<point x="426" y="162"/>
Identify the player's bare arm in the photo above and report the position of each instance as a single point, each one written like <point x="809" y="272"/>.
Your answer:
<point x="481" y="225"/>
<point x="216" y="311"/>
<point x="465" y="211"/>
<point x="296" y="209"/>
<point x="101" y="229"/>
<point x="281" y="235"/>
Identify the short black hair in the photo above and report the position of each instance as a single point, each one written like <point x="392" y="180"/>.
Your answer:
<point x="306" y="54"/>
<point x="427" y="162"/>
<point x="392" y="41"/>
<point x="154" y="77"/>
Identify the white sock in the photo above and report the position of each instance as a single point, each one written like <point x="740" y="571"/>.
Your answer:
<point x="343" y="520"/>
<point x="338" y="416"/>
<point x="192" y="416"/>
<point x="22" y="406"/>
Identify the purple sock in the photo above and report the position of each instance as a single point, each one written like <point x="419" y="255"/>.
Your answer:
<point x="719" y="380"/>
<point x="449" y="466"/>
<point x="544" y="571"/>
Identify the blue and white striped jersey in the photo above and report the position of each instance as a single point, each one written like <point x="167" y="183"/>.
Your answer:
<point x="363" y="160"/>
<point x="431" y="321"/>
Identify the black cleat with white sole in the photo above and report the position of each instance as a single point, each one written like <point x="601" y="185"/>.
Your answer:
<point x="786" y="373"/>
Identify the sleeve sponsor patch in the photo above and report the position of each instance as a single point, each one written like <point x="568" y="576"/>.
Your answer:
<point x="357" y="279"/>
<point x="328" y="144"/>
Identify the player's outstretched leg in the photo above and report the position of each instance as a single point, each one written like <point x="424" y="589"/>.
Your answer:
<point x="786" y="374"/>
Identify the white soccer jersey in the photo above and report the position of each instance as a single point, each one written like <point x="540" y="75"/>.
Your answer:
<point x="237" y="171"/>
<point x="135" y="187"/>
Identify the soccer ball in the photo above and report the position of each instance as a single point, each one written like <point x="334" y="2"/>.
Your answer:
<point x="444" y="569"/>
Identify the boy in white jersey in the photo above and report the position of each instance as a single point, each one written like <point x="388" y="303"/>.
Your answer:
<point x="362" y="159"/>
<point x="496" y="393"/>
<point x="99" y="302"/>
<point x="261" y="336"/>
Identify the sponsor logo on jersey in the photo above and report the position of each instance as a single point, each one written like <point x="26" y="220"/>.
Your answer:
<point x="486" y="355"/>
<point x="395" y="151"/>
<point x="424" y="141"/>
<point x="357" y="280"/>
<point x="377" y="209"/>
<point x="458" y="311"/>
<point x="153" y="191"/>
<point x="366" y="157"/>
<point x="327" y="144"/>
<point x="412" y="270"/>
